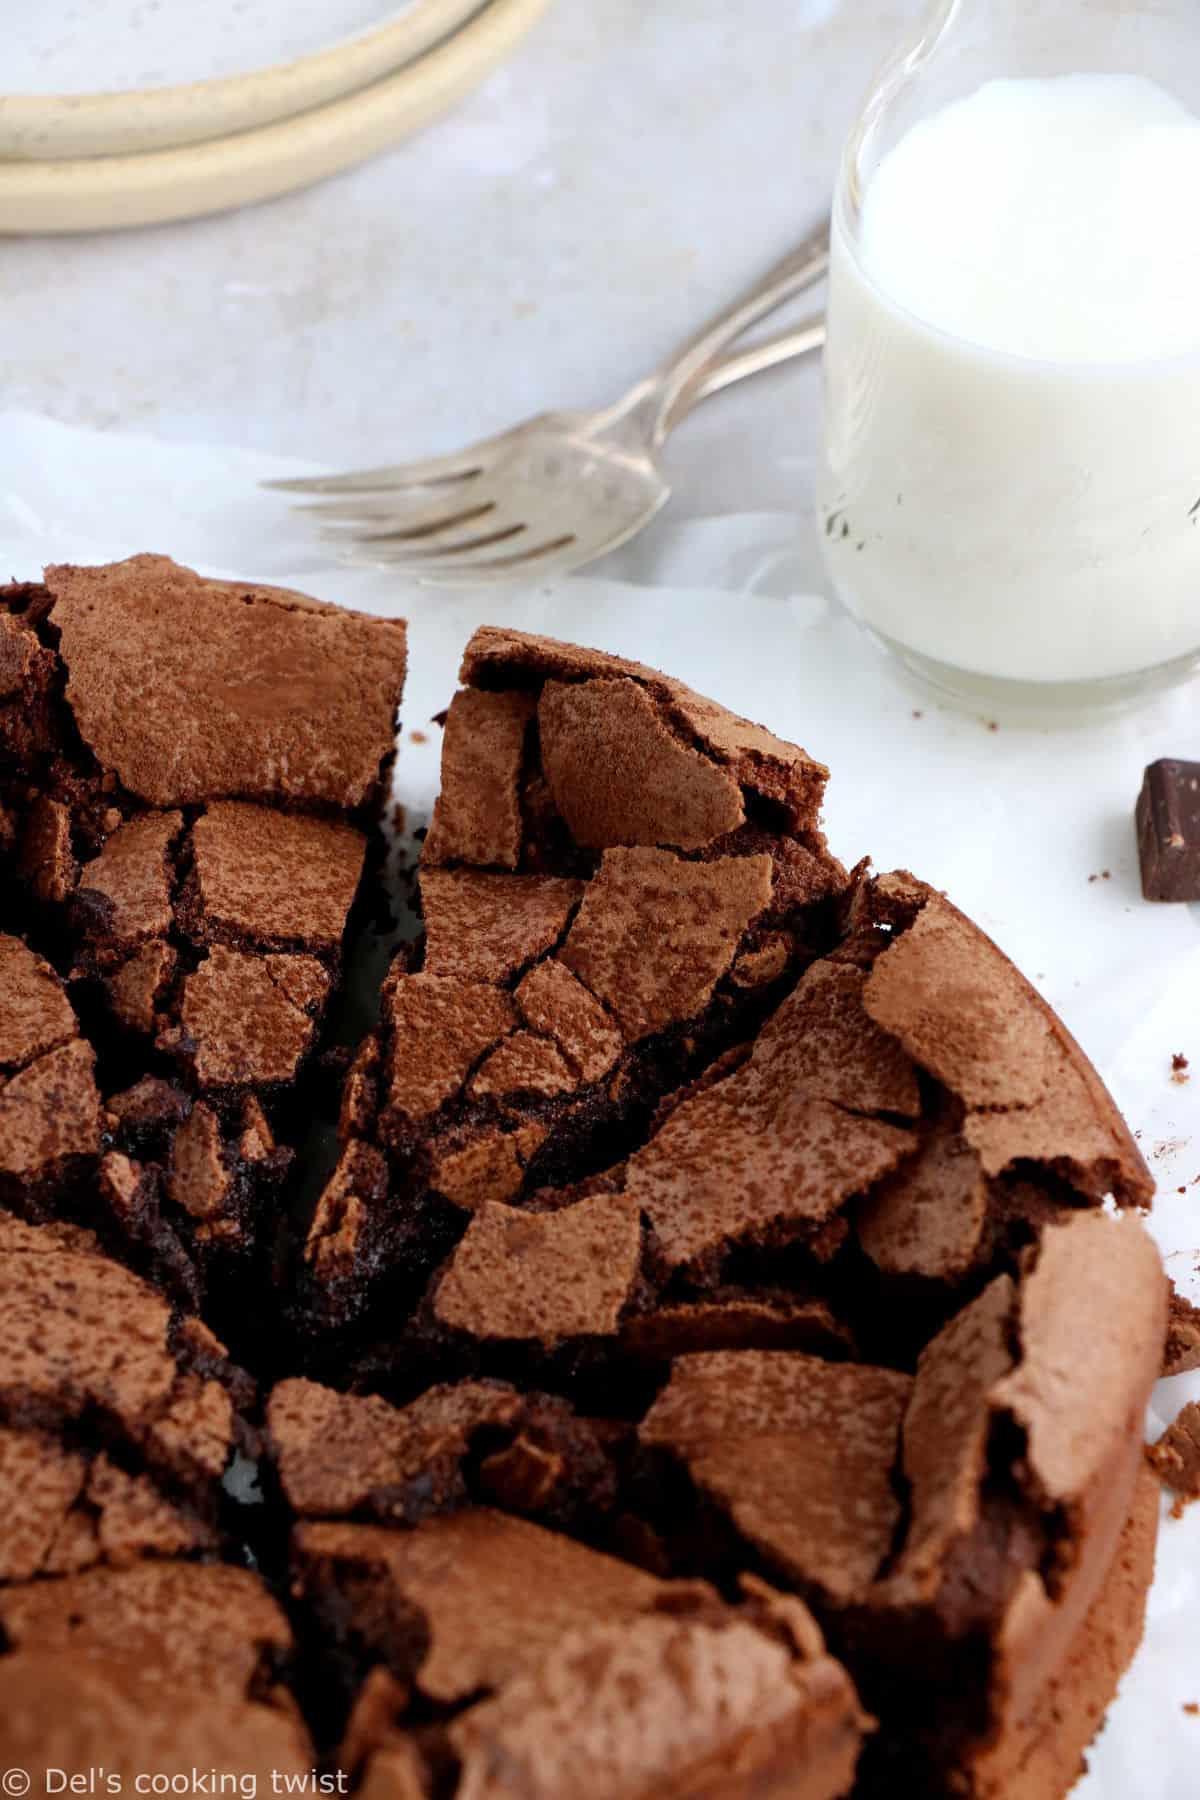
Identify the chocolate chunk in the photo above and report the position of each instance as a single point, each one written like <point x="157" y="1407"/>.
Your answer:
<point x="1168" y="830"/>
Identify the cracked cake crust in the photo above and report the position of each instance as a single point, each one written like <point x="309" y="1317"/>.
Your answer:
<point x="677" y="1377"/>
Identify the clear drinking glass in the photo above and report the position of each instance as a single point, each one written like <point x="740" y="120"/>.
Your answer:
<point x="1013" y="526"/>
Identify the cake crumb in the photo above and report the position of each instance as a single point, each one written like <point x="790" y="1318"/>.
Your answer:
<point x="1179" y="1068"/>
<point x="1175" y="1458"/>
<point x="418" y="737"/>
<point x="1192" y="1707"/>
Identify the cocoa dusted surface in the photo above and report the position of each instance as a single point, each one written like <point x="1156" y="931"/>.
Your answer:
<point x="678" y="1376"/>
<point x="204" y="1626"/>
<point x="193" y="772"/>
<point x="189" y="689"/>
<point x="112" y="1713"/>
<point x="50" y="1121"/>
<point x="118" y="1416"/>
<point x="563" y="1655"/>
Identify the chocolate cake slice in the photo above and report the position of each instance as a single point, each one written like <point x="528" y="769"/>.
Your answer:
<point x="193" y="773"/>
<point x="662" y="1037"/>
<point x="118" y="1415"/>
<point x="619" y="884"/>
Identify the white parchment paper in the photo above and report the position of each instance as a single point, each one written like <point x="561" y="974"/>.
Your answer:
<point x="1029" y="830"/>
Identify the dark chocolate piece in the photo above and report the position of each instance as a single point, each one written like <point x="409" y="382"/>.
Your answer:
<point x="1168" y="830"/>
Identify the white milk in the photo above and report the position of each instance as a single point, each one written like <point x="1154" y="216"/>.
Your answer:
<point x="1013" y="381"/>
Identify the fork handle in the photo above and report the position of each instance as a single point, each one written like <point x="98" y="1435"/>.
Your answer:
<point x="660" y="393"/>
<point x="740" y="365"/>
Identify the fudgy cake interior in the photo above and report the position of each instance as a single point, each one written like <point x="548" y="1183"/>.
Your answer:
<point x="677" y="1386"/>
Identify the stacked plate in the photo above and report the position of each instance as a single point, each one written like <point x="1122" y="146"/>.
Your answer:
<point x="133" y="112"/>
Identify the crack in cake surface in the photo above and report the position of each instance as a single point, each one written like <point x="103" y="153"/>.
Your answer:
<point x="707" y="1222"/>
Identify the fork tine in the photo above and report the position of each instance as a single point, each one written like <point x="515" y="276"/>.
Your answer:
<point x="433" y="472"/>
<point x="421" y="526"/>
<point x="369" y="509"/>
<point x="486" y="573"/>
<point x="479" y="546"/>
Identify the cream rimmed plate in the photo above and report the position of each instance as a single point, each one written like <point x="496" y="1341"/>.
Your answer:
<point x="98" y="193"/>
<point x="117" y="77"/>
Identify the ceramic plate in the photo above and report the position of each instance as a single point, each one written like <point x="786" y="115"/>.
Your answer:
<point x="114" y="77"/>
<point x="98" y="193"/>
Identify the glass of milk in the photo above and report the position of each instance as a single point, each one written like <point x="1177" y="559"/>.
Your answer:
<point x="1010" y="491"/>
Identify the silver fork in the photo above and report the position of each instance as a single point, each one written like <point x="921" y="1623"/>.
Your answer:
<point x="565" y="487"/>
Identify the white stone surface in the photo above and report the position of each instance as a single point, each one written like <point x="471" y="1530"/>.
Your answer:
<point x="635" y="164"/>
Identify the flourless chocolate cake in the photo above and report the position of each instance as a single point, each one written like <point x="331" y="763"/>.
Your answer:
<point x="676" y="1384"/>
